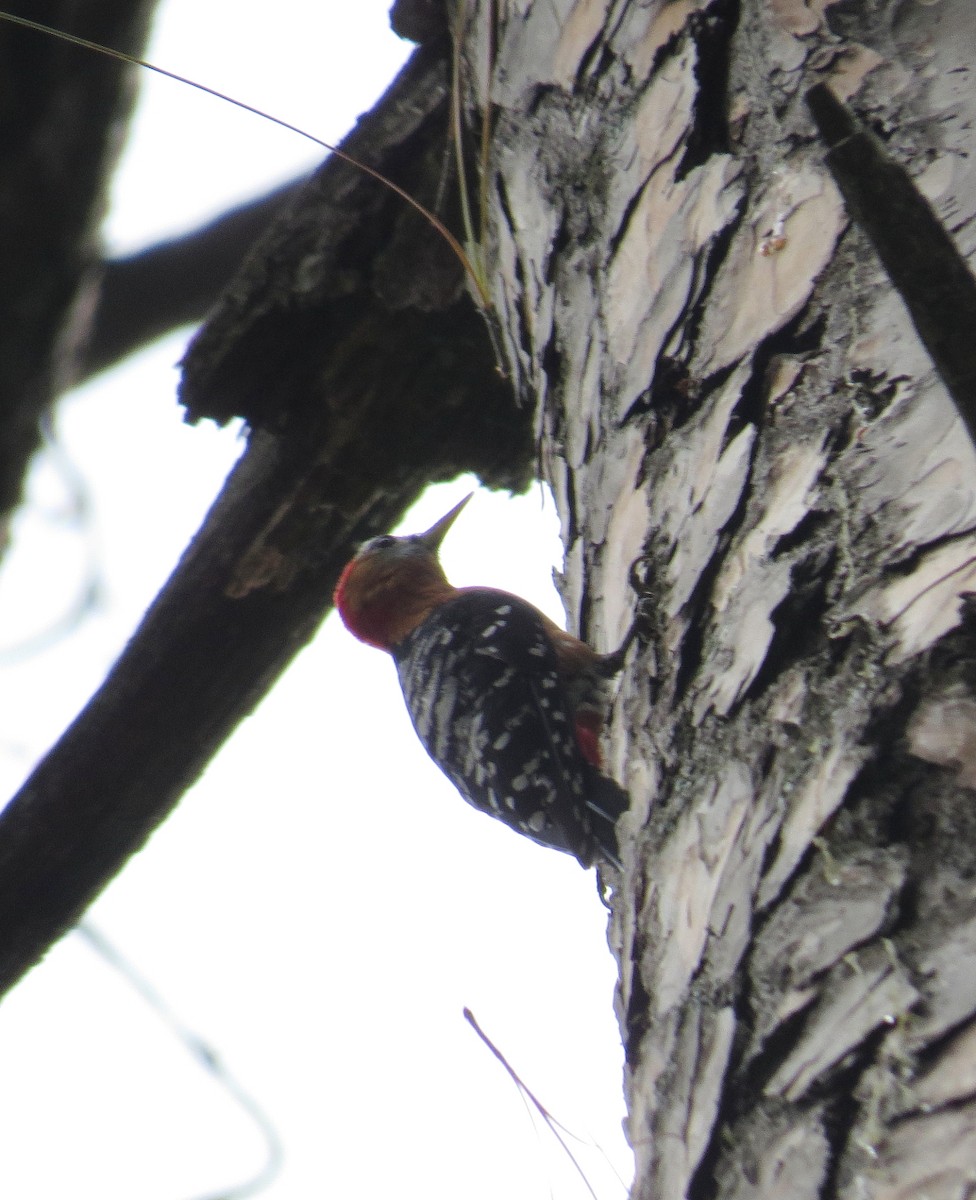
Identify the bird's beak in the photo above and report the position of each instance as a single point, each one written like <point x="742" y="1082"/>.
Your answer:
<point x="438" y="531"/>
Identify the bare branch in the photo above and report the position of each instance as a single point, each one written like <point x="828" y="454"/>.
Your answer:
<point x="60" y="138"/>
<point x="368" y="371"/>
<point x="175" y="282"/>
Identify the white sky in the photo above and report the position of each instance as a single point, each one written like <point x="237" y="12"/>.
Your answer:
<point x="322" y="904"/>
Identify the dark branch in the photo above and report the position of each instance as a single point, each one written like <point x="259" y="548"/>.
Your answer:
<point x="922" y="261"/>
<point x="350" y="343"/>
<point x="58" y="139"/>
<point x="174" y="283"/>
<point x="198" y="663"/>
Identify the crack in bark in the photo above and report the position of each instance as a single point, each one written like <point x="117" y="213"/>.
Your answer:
<point x="696" y="608"/>
<point x="712" y="31"/>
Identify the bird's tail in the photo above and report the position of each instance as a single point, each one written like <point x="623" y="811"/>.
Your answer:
<point x="606" y="802"/>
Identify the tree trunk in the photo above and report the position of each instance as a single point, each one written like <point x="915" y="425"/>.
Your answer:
<point x="752" y="453"/>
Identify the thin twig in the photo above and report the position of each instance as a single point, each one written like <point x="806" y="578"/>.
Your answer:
<point x="555" y="1127"/>
<point x="208" y="1060"/>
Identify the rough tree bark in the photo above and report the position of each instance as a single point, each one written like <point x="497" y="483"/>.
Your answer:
<point x="750" y="449"/>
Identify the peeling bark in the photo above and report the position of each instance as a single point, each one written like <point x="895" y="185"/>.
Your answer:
<point x="737" y="415"/>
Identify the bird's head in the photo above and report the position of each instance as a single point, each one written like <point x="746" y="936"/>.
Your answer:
<point x="392" y="583"/>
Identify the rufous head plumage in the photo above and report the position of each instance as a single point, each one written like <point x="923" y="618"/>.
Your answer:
<point x="392" y="583"/>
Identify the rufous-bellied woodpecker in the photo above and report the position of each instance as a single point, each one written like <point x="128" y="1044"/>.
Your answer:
<point x="506" y="703"/>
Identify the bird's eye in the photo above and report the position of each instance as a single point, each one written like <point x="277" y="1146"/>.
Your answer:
<point x="380" y="543"/>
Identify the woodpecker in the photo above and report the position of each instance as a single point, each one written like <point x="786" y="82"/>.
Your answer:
<point x="506" y="703"/>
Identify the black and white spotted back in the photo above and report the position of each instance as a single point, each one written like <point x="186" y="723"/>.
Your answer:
<point x="481" y="683"/>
